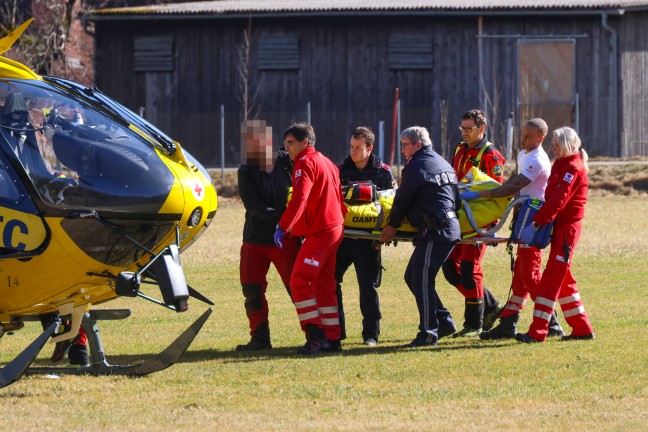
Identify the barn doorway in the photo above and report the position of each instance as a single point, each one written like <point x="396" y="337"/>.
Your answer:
<point x="546" y="83"/>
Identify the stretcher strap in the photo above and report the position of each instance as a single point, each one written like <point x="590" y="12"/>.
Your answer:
<point x="381" y="216"/>
<point x="502" y="221"/>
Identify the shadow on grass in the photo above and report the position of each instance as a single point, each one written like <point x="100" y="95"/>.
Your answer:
<point x="233" y="356"/>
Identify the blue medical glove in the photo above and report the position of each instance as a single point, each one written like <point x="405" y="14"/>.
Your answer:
<point x="278" y="237"/>
<point x="469" y="195"/>
<point x="527" y="235"/>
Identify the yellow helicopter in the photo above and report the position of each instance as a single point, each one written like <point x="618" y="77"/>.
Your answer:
<point x="94" y="203"/>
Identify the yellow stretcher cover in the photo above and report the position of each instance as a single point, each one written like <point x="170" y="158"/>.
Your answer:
<point x="485" y="211"/>
<point x="374" y="215"/>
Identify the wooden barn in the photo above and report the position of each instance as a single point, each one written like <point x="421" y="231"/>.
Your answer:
<point x="338" y="63"/>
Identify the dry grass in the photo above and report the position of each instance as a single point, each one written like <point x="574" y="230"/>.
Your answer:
<point x="460" y="385"/>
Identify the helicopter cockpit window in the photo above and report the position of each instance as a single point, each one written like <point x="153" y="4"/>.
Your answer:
<point x="8" y="190"/>
<point x="76" y="155"/>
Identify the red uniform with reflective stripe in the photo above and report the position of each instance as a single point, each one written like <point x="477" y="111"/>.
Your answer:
<point x="316" y="212"/>
<point x="490" y="161"/>
<point x="317" y="203"/>
<point x="565" y="197"/>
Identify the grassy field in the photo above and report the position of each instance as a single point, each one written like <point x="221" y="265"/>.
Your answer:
<point x="459" y="385"/>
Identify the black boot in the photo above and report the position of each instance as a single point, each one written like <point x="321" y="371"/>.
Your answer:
<point x="554" y="327"/>
<point x="492" y="310"/>
<point x="260" y="339"/>
<point x="314" y="340"/>
<point x="506" y="329"/>
<point x="473" y="315"/>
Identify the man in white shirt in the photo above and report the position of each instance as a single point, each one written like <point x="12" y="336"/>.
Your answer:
<point x="533" y="172"/>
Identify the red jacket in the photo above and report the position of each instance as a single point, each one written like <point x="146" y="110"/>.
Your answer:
<point x="490" y="160"/>
<point x="566" y="192"/>
<point x="317" y="203"/>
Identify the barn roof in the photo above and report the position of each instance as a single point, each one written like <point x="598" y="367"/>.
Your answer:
<point x="307" y="7"/>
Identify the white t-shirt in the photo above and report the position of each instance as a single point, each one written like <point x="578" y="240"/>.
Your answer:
<point x="536" y="167"/>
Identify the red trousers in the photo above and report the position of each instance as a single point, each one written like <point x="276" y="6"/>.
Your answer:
<point x="313" y="282"/>
<point x="558" y="285"/>
<point x="467" y="259"/>
<point x="254" y="266"/>
<point x="526" y="278"/>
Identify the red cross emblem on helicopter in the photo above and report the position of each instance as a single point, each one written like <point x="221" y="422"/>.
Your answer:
<point x="197" y="191"/>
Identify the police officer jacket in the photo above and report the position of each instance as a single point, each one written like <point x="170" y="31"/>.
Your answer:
<point x="264" y="196"/>
<point x="379" y="173"/>
<point x="428" y="190"/>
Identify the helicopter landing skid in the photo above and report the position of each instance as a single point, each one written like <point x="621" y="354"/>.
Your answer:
<point x="99" y="364"/>
<point x="16" y="368"/>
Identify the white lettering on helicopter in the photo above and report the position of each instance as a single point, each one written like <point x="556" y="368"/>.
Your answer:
<point x="8" y="232"/>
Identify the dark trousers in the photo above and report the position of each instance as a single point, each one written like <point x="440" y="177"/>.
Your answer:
<point x="426" y="260"/>
<point x="365" y="257"/>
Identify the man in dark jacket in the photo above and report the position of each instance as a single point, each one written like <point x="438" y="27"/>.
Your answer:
<point x="363" y="166"/>
<point x="264" y="191"/>
<point x="428" y="197"/>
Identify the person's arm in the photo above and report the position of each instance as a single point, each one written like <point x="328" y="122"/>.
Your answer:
<point x="302" y="185"/>
<point x="511" y="187"/>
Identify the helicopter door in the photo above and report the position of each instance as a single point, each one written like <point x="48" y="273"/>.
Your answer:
<point x="21" y="229"/>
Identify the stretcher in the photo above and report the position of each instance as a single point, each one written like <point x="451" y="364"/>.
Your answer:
<point x="479" y="219"/>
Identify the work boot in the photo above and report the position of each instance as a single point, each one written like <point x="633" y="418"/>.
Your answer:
<point x="554" y="327"/>
<point x="468" y="332"/>
<point x="583" y="337"/>
<point x="78" y="355"/>
<point x="314" y="340"/>
<point x="331" y="346"/>
<point x="506" y="329"/>
<point x="474" y="313"/>
<point x="254" y="345"/>
<point x="446" y="330"/>
<point x="492" y="310"/>
<point x="422" y="339"/>
<point x="525" y="338"/>
<point x="260" y="339"/>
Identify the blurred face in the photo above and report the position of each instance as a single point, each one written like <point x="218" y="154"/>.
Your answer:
<point x="409" y="148"/>
<point x="258" y="149"/>
<point x="556" y="148"/>
<point x="293" y="146"/>
<point x="471" y="134"/>
<point x="359" y="150"/>
<point x="531" y="138"/>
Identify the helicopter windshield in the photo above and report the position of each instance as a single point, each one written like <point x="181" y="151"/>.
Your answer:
<point x="78" y="154"/>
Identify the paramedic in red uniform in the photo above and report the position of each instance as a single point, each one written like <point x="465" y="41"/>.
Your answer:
<point x="264" y="191"/>
<point x="531" y="180"/>
<point x="315" y="212"/>
<point x="463" y="267"/>
<point x="566" y="195"/>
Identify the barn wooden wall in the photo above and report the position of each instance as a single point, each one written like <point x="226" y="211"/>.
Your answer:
<point x="634" y="82"/>
<point x="345" y="75"/>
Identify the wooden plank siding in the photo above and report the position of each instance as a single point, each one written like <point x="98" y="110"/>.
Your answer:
<point x="345" y="75"/>
<point x="634" y="85"/>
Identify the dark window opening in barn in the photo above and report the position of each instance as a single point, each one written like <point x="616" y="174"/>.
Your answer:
<point x="410" y="51"/>
<point x="278" y="52"/>
<point x="153" y="54"/>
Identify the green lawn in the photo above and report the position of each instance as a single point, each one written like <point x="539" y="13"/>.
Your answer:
<point x="459" y="385"/>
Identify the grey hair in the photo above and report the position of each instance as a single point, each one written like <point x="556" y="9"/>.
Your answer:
<point x="570" y="144"/>
<point x="417" y="134"/>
